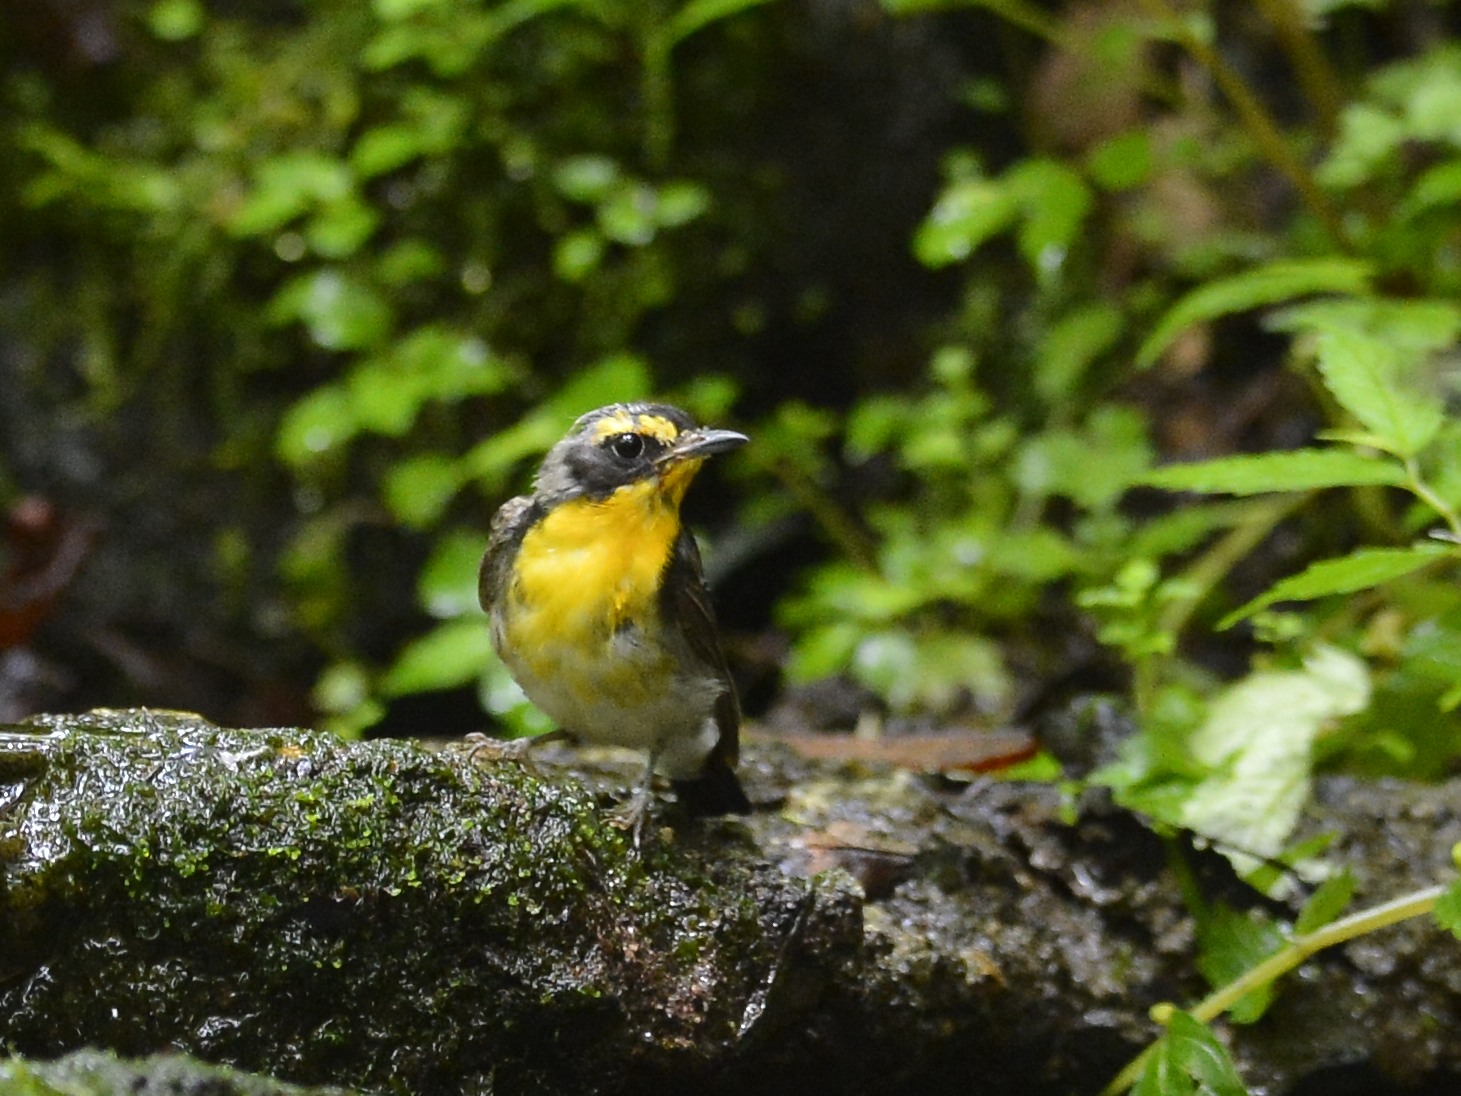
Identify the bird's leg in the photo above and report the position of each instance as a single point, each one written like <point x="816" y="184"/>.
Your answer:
<point x="633" y="813"/>
<point x="508" y="749"/>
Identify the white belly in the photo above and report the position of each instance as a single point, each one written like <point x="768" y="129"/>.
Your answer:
<point x="623" y="691"/>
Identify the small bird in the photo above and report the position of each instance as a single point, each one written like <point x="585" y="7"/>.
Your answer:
<point x="598" y="604"/>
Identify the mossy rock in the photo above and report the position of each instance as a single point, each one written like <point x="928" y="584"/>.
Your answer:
<point x="370" y="914"/>
<point x="389" y="918"/>
<point x="97" y="1073"/>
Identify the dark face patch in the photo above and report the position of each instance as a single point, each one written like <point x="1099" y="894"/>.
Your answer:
<point x="608" y="448"/>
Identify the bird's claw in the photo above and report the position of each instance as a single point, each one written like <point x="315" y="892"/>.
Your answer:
<point x="632" y="815"/>
<point x="485" y="748"/>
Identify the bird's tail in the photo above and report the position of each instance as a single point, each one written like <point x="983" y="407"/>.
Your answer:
<point x="715" y="791"/>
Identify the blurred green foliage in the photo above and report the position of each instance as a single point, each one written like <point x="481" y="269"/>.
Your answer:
<point x="1177" y="396"/>
<point x="401" y="245"/>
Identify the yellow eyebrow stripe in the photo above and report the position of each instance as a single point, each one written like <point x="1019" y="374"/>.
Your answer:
<point x="621" y="422"/>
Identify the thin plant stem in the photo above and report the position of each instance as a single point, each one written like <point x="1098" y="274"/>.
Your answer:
<point x="1416" y="904"/>
<point x="1210" y="568"/>
<point x="1260" y="125"/>
<point x="840" y="529"/>
<point x="1316" y="76"/>
<point x="1423" y="491"/>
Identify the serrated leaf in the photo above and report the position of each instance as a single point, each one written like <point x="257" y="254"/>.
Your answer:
<point x="1416" y="325"/>
<point x="1256" y="747"/>
<point x="1300" y="470"/>
<point x="1360" y="570"/>
<point x="1326" y="903"/>
<point x="1365" y="375"/>
<point x="1188" y="1060"/>
<point x="1264" y="285"/>
<point x="1448" y="909"/>
<point x="1362" y="439"/>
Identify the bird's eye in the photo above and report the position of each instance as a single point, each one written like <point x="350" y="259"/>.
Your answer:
<point x="627" y="446"/>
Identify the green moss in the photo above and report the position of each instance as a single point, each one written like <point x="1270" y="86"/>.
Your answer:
<point x="367" y="914"/>
<point x="94" y="1073"/>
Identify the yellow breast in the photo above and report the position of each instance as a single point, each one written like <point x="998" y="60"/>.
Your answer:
<point x="589" y="567"/>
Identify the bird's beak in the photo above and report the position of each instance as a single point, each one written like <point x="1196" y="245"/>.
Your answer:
<point x="699" y="444"/>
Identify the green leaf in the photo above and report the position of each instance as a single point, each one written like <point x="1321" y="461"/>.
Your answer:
<point x="339" y="311"/>
<point x="1368" y="137"/>
<point x="175" y="20"/>
<point x="1364" y="375"/>
<point x="384" y="149"/>
<point x="1326" y="903"/>
<point x="1229" y="944"/>
<point x="629" y="214"/>
<point x="965" y="215"/>
<point x="391" y="10"/>
<point x="441" y="363"/>
<point x="1417" y="326"/>
<point x="1360" y="570"/>
<point x="1188" y="1060"/>
<point x="1038" y="554"/>
<point x="287" y="185"/>
<point x="409" y="260"/>
<point x="587" y="178"/>
<point x="1265" y="285"/>
<point x="339" y="228"/>
<point x="1054" y="201"/>
<point x="1299" y="470"/>
<point x="418" y="489"/>
<point x="1123" y="161"/>
<point x="447" y="586"/>
<point x="1256" y="744"/>
<point x="701" y="13"/>
<point x="1092" y="465"/>
<point x="1436" y="188"/>
<point x="320" y="422"/>
<point x="1067" y="350"/>
<point x="578" y="254"/>
<point x="930" y="672"/>
<point x="1448" y="909"/>
<point x="680" y="203"/>
<point x="448" y="656"/>
<point x="1184" y="528"/>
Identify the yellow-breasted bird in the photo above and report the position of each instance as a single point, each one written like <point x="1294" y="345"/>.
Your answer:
<point x="598" y="606"/>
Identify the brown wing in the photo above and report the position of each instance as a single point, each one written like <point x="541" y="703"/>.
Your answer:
<point x="508" y="526"/>
<point x="687" y="603"/>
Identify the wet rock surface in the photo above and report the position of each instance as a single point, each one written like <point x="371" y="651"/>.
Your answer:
<point x="385" y="916"/>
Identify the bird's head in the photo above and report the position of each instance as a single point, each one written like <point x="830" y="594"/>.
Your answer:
<point x="650" y="446"/>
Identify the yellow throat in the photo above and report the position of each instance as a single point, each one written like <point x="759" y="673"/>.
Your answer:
<point x="589" y="566"/>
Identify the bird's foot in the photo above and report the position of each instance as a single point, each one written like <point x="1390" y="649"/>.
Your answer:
<point x="481" y="747"/>
<point x="633" y="814"/>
